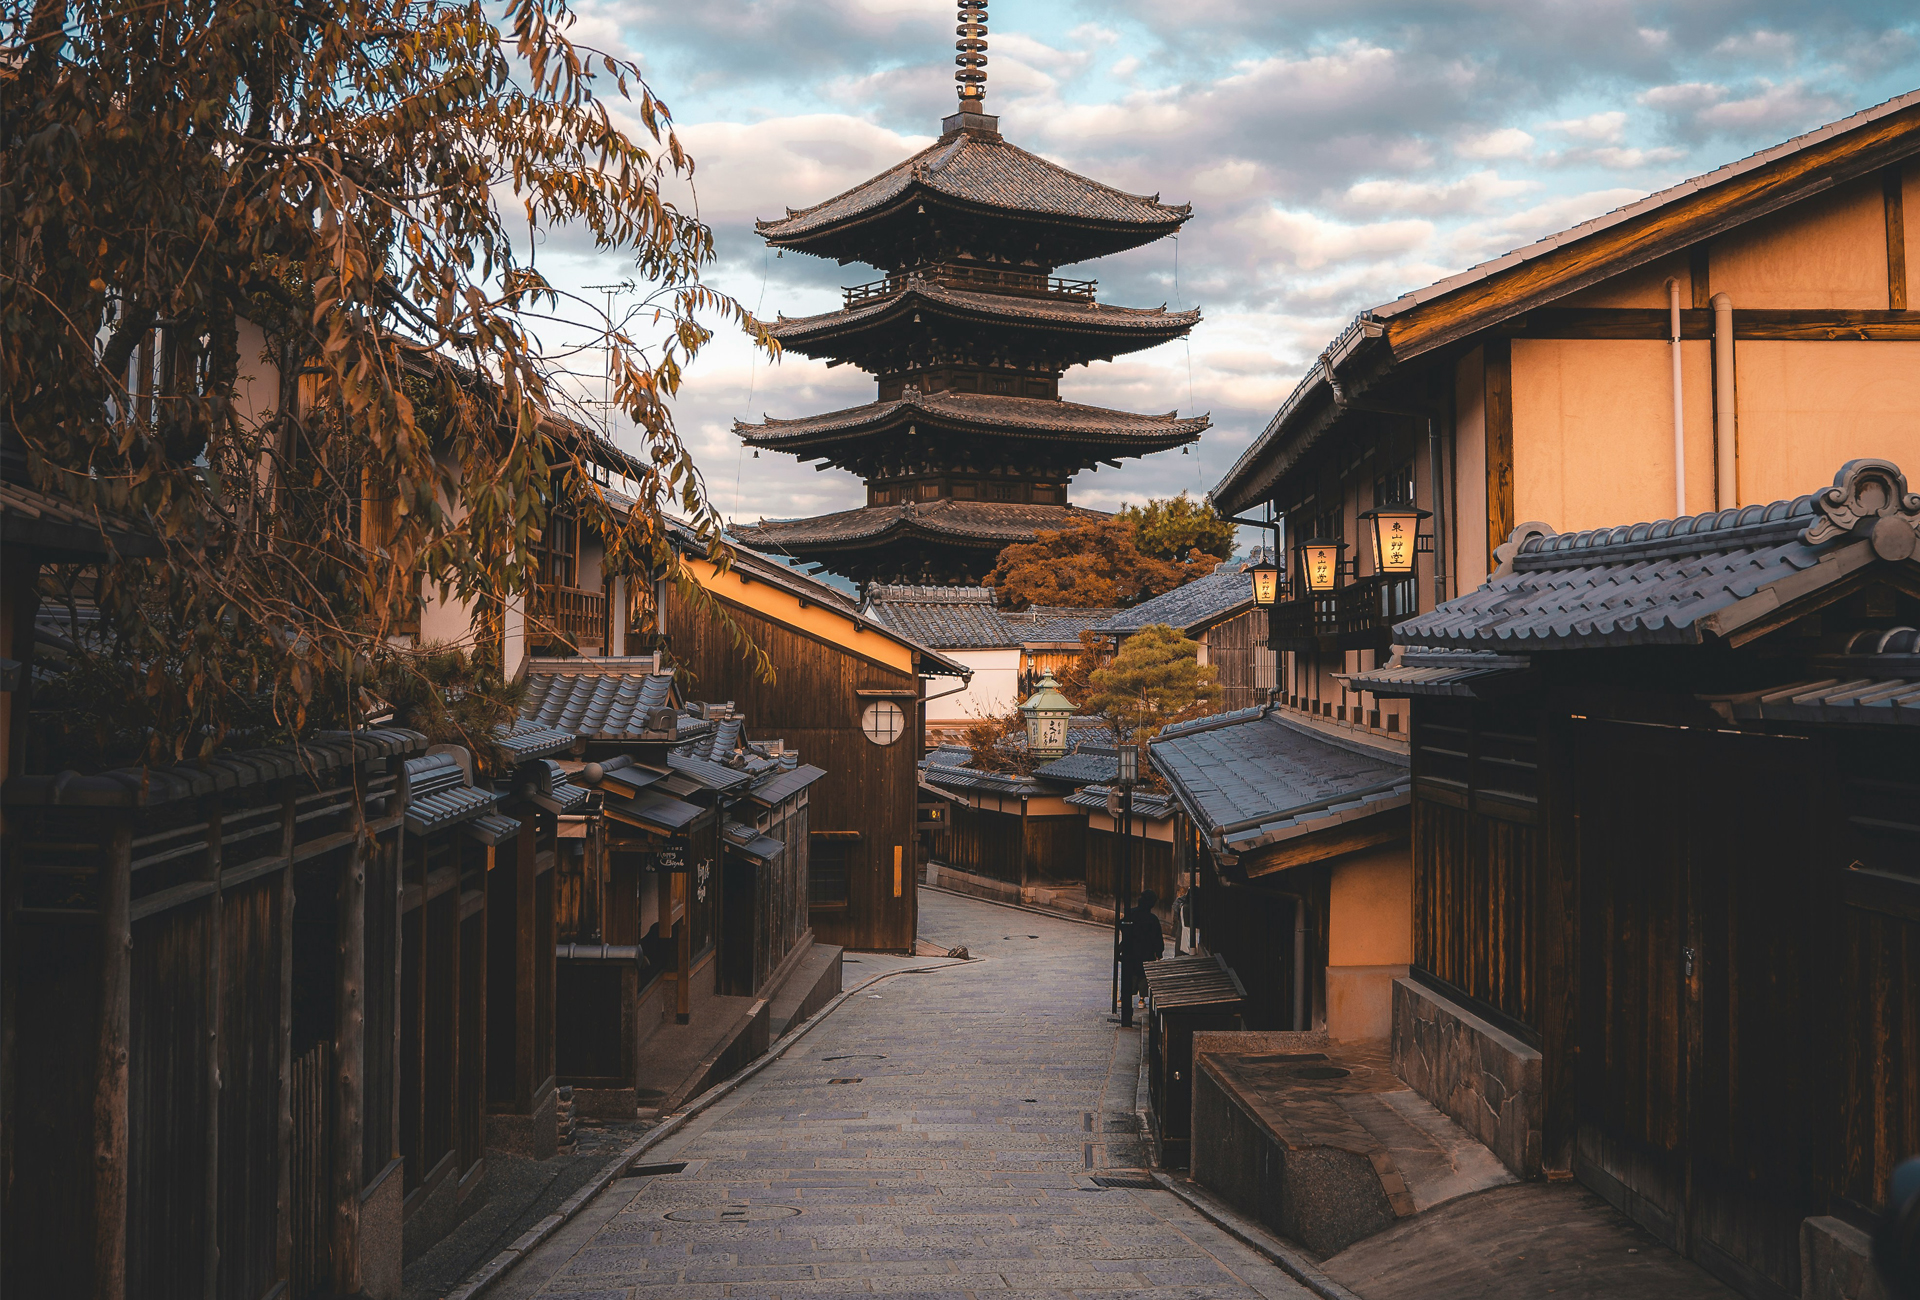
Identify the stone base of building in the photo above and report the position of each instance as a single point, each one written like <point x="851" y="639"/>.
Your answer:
<point x="1836" y="1262"/>
<point x="535" y="1135"/>
<point x="443" y="1204"/>
<point x="1482" y="1077"/>
<point x="382" y="1234"/>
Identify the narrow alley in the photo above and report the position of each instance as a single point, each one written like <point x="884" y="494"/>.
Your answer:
<point x="933" y="1136"/>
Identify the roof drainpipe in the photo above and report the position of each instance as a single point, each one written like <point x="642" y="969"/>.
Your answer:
<point x="1725" y="425"/>
<point x="1679" y="405"/>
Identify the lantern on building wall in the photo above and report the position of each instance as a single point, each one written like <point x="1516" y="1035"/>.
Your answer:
<point x="1396" y="537"/>
<point x="1320" y="563"/>
<point x="1266" y="580"/>
<point x="1047" y="711"/>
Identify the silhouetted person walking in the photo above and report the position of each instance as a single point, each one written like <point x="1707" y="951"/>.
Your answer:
<point x="1140" y="943"/>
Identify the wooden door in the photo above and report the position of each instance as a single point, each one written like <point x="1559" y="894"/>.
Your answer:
<point x="1697" y="862"/>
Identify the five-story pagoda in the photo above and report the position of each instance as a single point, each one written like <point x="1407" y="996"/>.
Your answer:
<point x="969" y="447"/>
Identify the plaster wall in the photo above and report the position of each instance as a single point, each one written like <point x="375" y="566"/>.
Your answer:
<point x="1369" y="941"/>
<point x="1467" y="518"/>
<point x="1805" y="409"/>
<point x="1593" y="430"/>
<point x="1828" y="252"/>
<point x="1644" y="286"/>
<point x="1144" y="828"/>
<point x="993" y="692"/>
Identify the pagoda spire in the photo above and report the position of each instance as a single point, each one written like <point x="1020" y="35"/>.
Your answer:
<point x="972" y="56"/>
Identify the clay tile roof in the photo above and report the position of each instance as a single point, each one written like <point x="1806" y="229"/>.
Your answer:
<point x="595" y="703"/>
<point x="1203" y="601"/>
<point x="946" y="618"/>
<point x="1677" y="581"/>
<point x="1038" y="624"/>
<point x="1251" y="778"/>
<point x="1150" y="324"/>
<point x="984" y="170"/>
<point x="1016" y="417"/>
<point x="41" y="520"/>
<point x="989" y="523"/>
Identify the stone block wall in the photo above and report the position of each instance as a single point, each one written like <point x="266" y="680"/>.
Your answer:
<point x="1484" y="1078"/>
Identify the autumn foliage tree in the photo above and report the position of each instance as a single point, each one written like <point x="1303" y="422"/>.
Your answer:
<point x="342" y="193"/>
<point x="1096" y="563"/>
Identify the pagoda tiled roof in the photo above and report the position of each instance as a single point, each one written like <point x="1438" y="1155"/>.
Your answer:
<point x="1015" y="417"/>
<point x="982" y="169"/>
<point x="986" y="523"/>
<point x="1129" y="327"/>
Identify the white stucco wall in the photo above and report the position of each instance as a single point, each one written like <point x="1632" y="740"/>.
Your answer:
<point x="993" y="692"/>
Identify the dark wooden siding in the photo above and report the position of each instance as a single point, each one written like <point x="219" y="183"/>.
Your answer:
<point x="250" y="1060"/>
<point x="1149" y="866"/>
<point x="1476" y="853"/>
<point x="984" y="842"/>
<point x="1252" y="927"/>
<point x="813" y="706"/>
<point x="1238" y="648"/>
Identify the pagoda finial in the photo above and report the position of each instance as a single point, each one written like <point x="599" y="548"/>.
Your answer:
<point x="972" y="58"/>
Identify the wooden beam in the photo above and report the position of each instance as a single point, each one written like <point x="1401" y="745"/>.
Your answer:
<point x="1774" y="324"/>
<point x="1637" y="241"/>
<point x="1350" y="837"/>
<point x="1894" y="204"/>
<point x="1699" y="274"/>
<point x="1498" y="385"/>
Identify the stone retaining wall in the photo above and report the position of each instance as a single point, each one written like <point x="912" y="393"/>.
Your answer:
<point x="1486" y="1079"/>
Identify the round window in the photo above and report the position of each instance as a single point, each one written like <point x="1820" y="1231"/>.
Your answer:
<point x="883" y="722"/>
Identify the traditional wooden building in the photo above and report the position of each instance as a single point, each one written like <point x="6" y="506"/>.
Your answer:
<point x="969" y="446"/>
<point x="1716" y="344"/>
<point x="1666" y="870"/>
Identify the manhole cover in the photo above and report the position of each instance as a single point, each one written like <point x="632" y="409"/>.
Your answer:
<point x="733" y="1212"/>
<point x="1322" y="1072"/>
<point x="852" y="1079"/>
<point x="1140" y="1181"/>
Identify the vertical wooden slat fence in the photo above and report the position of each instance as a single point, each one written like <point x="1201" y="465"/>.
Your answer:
<point x="310" y="1166"/>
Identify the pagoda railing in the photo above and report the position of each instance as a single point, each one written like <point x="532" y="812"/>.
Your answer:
<point x="993" y="279"/>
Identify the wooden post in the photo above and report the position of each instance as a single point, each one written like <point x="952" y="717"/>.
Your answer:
<point x="110" y="1068"/>
<point x="349" y="1062"/>
<point x="216" y="976"/>
<point x="1498" y="398"/>
<point x="283" y="1184"/>
<point x="683" y="944"/>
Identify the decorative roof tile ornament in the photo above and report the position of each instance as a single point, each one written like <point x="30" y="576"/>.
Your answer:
<point x="1869" y="498"/>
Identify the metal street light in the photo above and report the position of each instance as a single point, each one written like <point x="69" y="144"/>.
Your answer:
<point x="1128" y="776"/>
<point x="1396" y="537"/>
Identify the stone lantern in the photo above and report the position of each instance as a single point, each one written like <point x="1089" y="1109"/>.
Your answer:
<point x="1047" y="711"/>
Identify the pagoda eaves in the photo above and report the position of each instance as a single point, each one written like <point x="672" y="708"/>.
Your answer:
<point x="972" y="190"/>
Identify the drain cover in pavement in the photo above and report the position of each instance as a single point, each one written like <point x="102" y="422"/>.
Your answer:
<point x="1140" y="1181"/>
<point x="1322" y="1072"/>
<point x="735" y="1212"/>
<point x="638" y="1170"/>
<point x="853" y="1079"/>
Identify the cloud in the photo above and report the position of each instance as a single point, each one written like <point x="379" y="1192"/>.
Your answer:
<point x="1476" y="192"/>
<point x="1507" y="142"/>
<point x="1609" y="127"/>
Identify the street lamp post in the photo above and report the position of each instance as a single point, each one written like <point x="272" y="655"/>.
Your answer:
<point x="1129" y="774"/>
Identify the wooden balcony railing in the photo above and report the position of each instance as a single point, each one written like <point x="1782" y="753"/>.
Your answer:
<point x="993" y="279"/>
<point x="1357" y="616"/>
<point x="567" y="615"/>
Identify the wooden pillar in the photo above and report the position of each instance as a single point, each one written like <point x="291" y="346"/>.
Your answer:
<point x="110" y="1072"/>
<point x="349" y="1066"/>
<point x="283" y="1190"/>
<point x="216" y="977"/>
<point x="525" y="1070"/>
<point x="1499" y="417"/>
<point x="682" y="893"/>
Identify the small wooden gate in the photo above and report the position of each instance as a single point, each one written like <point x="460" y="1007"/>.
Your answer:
<point x="311" y="1172"/>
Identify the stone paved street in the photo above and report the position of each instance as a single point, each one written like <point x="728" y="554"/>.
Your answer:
<point x="932" y="1137"/>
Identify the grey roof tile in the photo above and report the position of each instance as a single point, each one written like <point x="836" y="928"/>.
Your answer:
<point x="785" y="784"/>
<point x="742" y="838"/>
<point x="1203" y="601"/>
<point x="589" y="703"/>
<point x="521" y="741"/>
<point x="1253" y="778"/>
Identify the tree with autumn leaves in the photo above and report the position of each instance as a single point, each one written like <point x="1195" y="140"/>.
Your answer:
<point x="344" y="194"/>
<point x="1115" y="560"/>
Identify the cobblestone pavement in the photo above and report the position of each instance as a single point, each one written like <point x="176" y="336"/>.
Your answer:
<point x="932" y="1137"/>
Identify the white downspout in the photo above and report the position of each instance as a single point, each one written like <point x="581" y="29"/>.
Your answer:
<point x="1725" y="426"/>
<point x="1679" y="405"/>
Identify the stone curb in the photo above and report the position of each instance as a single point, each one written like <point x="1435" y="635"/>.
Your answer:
<point x="483" y="1278"/>
<point x="1021" y="907"/>
<point x="1290" y="1261"/>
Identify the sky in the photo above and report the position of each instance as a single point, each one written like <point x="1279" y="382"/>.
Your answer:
<point x="1336" y="154"/>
